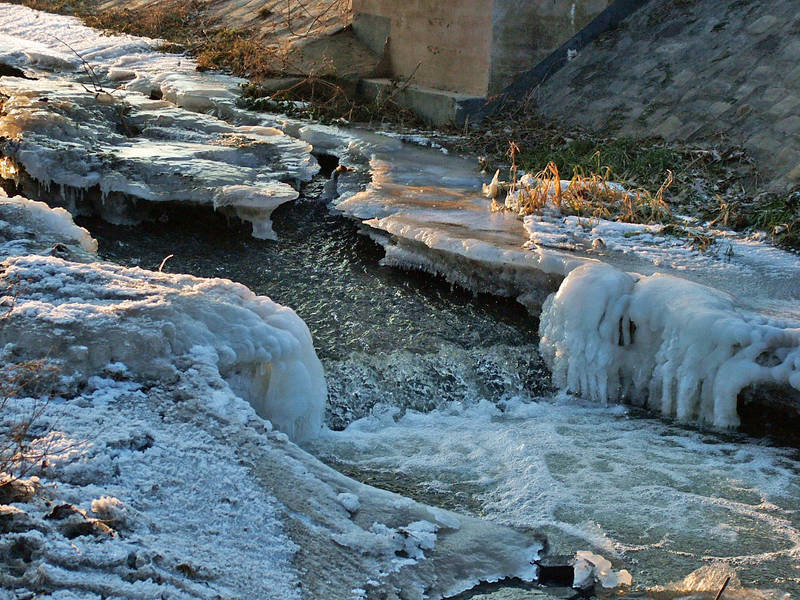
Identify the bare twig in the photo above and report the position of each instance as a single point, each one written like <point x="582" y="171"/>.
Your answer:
<point x="724" y="585"/>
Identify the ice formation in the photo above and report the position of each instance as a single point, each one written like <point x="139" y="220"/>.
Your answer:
<point x="165" y="363"/>
<point x="27" y="226"/>
<point x="676" y="346"/>
<point x="98" y="313"/>
<point x="591" y="567"/>
<point x="112" y="153"/>
<point x="632" y="318"/>
<point x="48" y="42"/>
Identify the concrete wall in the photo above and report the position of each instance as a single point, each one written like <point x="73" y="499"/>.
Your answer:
<point x="471" y="47"/>
<point x="525" y="33"/>
<point x="449" y="40"/>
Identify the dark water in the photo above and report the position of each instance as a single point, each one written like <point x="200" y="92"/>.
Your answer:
<point x="408" y="339"/>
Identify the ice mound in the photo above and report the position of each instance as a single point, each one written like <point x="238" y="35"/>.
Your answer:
<point x="28" y="226"/>
<point x="591" y="567"/>
<point x="30" y="39"/>
<point x="90" y="315"/>
<point x="676" y="346"/>
<point x="103" y="153"/>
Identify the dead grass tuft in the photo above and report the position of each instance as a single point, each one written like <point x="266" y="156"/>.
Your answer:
<point x="587" y="194"/>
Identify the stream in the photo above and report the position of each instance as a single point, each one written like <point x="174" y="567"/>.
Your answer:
<point x="442" y="395"/>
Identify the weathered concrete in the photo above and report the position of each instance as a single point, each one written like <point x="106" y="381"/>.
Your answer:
<point x="473" y="47"/>
<point x="435" y="106"/>
<point x="694" y="71"/>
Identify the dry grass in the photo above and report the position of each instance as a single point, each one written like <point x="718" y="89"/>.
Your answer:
<point x="18" y="452"/>
<point x="587" y="194"/>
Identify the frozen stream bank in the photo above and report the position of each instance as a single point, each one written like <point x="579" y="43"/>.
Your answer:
<point x="449" y="399"/>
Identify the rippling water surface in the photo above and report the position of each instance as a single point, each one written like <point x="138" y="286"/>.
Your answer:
<point x="444" y="397"/>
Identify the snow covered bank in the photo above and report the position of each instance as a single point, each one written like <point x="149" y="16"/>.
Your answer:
<point x="208" y="505"/>
<point x="30" y="39"/>
<point x="156" y="429"/>
<point x="88" y="316"/>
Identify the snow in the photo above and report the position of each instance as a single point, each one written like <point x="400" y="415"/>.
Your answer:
<point x="349" y="501"/>
<point x="30" y="38"/>
<point x="188" y="520"/>
<point x="83" y="135"/>
<point x="29" y="226"/>
<point x="149" y="320"/>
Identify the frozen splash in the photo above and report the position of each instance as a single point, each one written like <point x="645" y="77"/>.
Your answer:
<point x="677" y="347"/>
<point x="88" y="315"/>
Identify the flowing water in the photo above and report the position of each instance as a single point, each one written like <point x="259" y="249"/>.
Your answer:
<point x="444" y="398"/>
<point x="442" y="395"/>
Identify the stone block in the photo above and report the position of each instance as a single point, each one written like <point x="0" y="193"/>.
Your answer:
<point x="717" y="108"/>
<point x="669" y="128"/>
<point x="794" y="174"/>
<point x="772" y="95"/>
<point x="790" y="125"/>
<point x="790" y="105"/>
<point x="435" y="106"/>
<point x="762" y="25"/>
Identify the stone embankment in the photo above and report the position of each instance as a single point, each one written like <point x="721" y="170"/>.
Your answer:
<point x="692" y="71"/>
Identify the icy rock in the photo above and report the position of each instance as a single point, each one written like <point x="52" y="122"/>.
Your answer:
<point x="30" y="226"/>
<point x="19" y="490"/>
<point x="112" y="512"/>
<point x="590" y="567"/>
<point x="14" y="520"/>
<point x="670" y="344"/>
<point x="349" y="501"/>
<point x="73" y="522"/>
<point x="149" y="320"/>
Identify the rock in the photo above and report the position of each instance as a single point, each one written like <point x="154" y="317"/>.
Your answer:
<point x="74" y="522"/>
<point x="556" y="570"/>
<point x="9" y="71"/>
<point x="14" y="520"/>
<point x="18" y="490"/>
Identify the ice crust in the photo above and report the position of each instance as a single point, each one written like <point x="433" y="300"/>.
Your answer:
<point x="85" y="134"/>
<point x="27" y="226"/>
<point x="98" y="313"/>
<point x="80" y="144"/>
<point x="43" y="41"/>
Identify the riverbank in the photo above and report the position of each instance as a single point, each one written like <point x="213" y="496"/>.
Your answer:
<point x="451" y="375"/>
